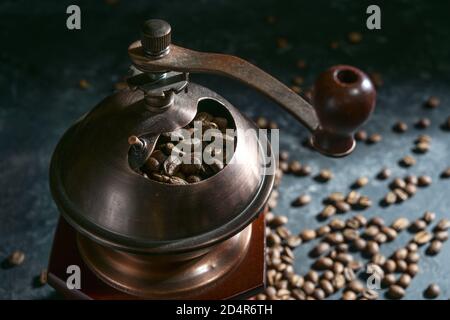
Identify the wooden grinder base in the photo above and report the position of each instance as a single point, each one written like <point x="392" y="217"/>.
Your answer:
<point x="244" y="281"/>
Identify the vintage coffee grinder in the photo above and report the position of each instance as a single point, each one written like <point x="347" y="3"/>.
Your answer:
<point x="136" y="238"/>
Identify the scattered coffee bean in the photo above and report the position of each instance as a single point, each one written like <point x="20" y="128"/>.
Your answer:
<point x="293" y="241"/>
<point x="279" y="221"/>
<point x="325" y="175"/>
<point x="305" y="170"/>
<point x="424" y="181"/>
<point x="361" y="182"/>
<point x="432" y="102"/>
<point x="412" y="247"/>
<point x="423" y="123"/>
<point x="337" y="224"/>
<point x="342" y="206"/>
<point x="360" y="244"/>
<point x="320" y="249"/>
<point x="400" y="224"/>
<point x="374" y="138"/>
<point x="422" y="147"/>
<point x="294" y="167"/>
<point x="323" y="230"/>
<point x="323" y="263"/>
<point x="308" y="235"/>
<point x="312" y="276"/>
<point x="411" y="179"/>
<point x="446" y="173"/>
<point x="378" y="259"/>
<point x="389" y="232"/>
<point x="404" y="281"/>
<point x="388" y="280"/>
<point x="377" y="221"/>
<point x="385" y="173"/>
<point x="432" y="291"/>
<point x="298" y="294"/>
<point x="411" y="189"/>
<point x="364" y="202"/>
<point x="390" y="198"/>
<point x="361" y="135"/>
<point x="356" y="286"/>
<point x="352" y="197"/>
<point x="401" y="195"/>
<point x="334" y="238"/>
<point x="338" y="281"/>
<point x="326" y="286"/>
<point x="302" y="200"/>
<point x="413" y="257"/>
<point x="370" y="294"/>
<point x="422" y="237"/>
<point x="441" y="235"/>
<point x="16" y="258"/>
<point x="400" y="127"/>
<point x="413" y="269"/>
<point x="335" y="197"/>
<point x="327" y="212"/>
<point x="43" y="277"/>
<point x="402" y="266"/>
<point x="419" y="225"/>
<point x="443" y="225"/>
<point x="408" y="161"/>
<point x="429" y="217"/>
<point x="349" y="295"/>
<point x="390" y="266"/>
<point x="396" y="292"/>
<point x="434" y="248"/>
<point x="372" y="248"/>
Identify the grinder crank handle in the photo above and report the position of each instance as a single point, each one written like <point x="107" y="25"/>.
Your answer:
<point x="343" y="96"/>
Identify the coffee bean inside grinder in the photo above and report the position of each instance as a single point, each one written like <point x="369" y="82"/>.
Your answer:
<point x="193" y="153"/>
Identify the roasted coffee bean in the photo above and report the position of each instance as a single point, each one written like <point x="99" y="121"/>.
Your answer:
<point x="349" y="295"/>
<point x="344" y="258"/>
<point x="423" y="138"/>
<point x="337" y="224"/>
<point x="361" y="182"/>
<point x="432" y="102"/>
<point x="342" y="247"/>
<point x="370" y="294"/>
<point x="327" y="275"/>
<point x="443" y="225"/>
<point x="204" y="116"/>
<point x="419" y="225"/>
<point x="423" y="123"/>
<point x="422" y="237"/>
<point x="293" y="241"/>
<point x="360" y="244"/>
<point x="374" y="138"/>
<point x="400" y="224"/>
<point x="338" y="267"/>
<point x="361" y="219"/>
<point x="296" y="281"/>
<point x="319" y="294"/>
<point x="401" y="195"/>
<point x="327" y="212"/>
<point x="342" y="206"/>
<point x="305" y="170"/>
<point x="16" y="258"/>
<point x="404" y="281"/>
<point x="378" y="259"/>
<point x="271" y="292"/>
<point x="335" y="197"/>
<point x="413" y="257"/>
<point x="377" y="221"/>
<point x="389" y="232"/>
<point x="352" y="197"/>
<point x="283" y="232"/>
<point x="385" y="173"/>
<point x="380" y="238"/>
<point x="278" y="221"/>
<point x="312" y="276"/>
<point x="320" y="249"/>
<point x="396" y="292"/>
<point x="325" y="175"/>
<point x="434" y="248"/>
<point x="334" y="238"/>
<point x="302" y="200"/>
<point x="308" y="287"/>
<point x="412" y="269"/>
<point x="424" y="181"/>
<point x="428" y="217"/>
<point x="283" y="284"/>
<point x="411" y="179"/>
<point x="441" y="235"/>
<point x="398" y="183"/>
<point x="294" y="167"/>
<point x="172" y="165"/>
<point x="390" y="198"/>
<point x="364" y="202"/>
<point x="361" y="135"/>
<point x="193" y="179"/>
<point x="284" y="166"/>
<point x="273" y="239"/>
<point x="323" y="230"/>
<point x="349" y="275"/>
<point x="400" y="127"/>
<point x="388" y="280"/>
<point x="326" y="286"/>
<point x="390" y="266"/>
<point x="177" y="181"/>
<point x="372" y="248"/>
<point x="308" y="234"/>
<point x="261" y="296"/>
<point x="408" y="161"/>
<point x="411" y="189"/>
<point x="422" y="147"/>
<point x="371" y="231"/>
<point x="446" y="173"/>
<point x="402" y="266"/>
<point x="350" y="235"/>
<point x="151" y="165"/>
<point x="323" y="263"/>
<point x="432" y="291"/>
<point x="298" y="294"/>
<point x="338" y="281"/>
<point x="356" y="286"/>
<point x="400" y="254"/>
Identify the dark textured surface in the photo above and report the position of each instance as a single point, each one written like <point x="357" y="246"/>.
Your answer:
<point x="41" y="63"/>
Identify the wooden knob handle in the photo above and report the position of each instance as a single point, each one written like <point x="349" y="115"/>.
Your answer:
<point x="343" y="97"/>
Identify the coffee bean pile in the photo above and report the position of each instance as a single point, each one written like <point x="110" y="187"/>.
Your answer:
<point x="165" y="163"/>
<point x="349" y="250"/>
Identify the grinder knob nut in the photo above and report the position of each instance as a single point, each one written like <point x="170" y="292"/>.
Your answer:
<point x="343" y="97"/>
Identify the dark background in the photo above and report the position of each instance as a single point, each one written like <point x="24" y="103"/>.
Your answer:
<point x="41" y="64"/>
